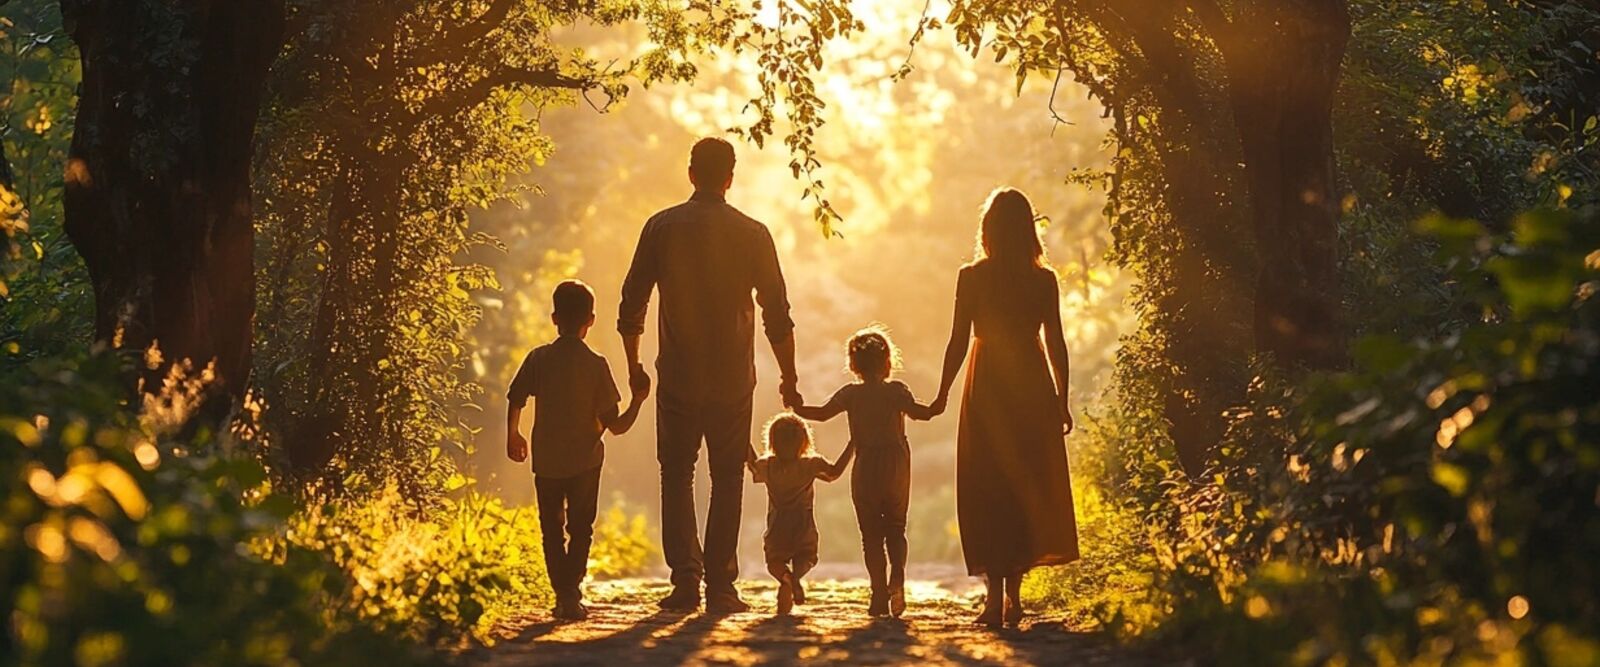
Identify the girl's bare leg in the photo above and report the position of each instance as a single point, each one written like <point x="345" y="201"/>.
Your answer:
<point x="785" y="577"/>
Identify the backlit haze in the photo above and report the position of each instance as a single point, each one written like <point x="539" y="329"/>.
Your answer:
<point x="906" y="163"/>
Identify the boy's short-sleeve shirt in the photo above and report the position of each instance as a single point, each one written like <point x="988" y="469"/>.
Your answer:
<point x="575" y="390"/>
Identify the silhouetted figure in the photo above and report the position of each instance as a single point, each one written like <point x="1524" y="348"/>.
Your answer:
<point x="706" y="258"/>
<point x="575" y="401"/>
<point x="789" y="468"/>
<point x="1013" y="493"/>
<point x="880" y="487"/>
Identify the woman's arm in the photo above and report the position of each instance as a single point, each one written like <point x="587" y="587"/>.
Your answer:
<point x="836" y="469"/>
<point x="1055" y="343"/>
<point x="955" y="353"/>
<point x="826" y="411"/>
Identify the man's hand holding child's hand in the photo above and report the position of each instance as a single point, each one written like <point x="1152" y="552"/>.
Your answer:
<point x="639" y="384"/>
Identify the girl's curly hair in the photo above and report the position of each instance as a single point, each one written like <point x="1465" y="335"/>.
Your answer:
<point x="872" y="352"/>
<point x="788" y="437"/>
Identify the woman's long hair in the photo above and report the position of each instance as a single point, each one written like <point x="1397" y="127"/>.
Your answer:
<point x="1009" y="233"/>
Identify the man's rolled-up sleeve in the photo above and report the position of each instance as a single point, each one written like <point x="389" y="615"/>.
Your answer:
<point x="771" y="292"/>
<point x="640" y="283"/>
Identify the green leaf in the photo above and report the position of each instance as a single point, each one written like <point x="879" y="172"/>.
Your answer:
<point x="1453" y="478"/>
<point x="1382" y="353"/>
<point x="1536" y="282"/>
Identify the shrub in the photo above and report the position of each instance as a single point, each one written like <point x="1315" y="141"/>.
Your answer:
<point x="622" y="544"/>
<point x="432" y="575"/>
<point x="125" y="538"/>
<point x="1436" y="504"/>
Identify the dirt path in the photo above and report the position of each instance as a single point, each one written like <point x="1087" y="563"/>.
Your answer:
<point x="625" y="628"/>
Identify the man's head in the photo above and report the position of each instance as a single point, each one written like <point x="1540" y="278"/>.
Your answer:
<point x="711" y="165"/>
<point x="574" y="308"/>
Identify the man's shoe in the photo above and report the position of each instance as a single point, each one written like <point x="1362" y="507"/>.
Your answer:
<point x="564" y="609"/>
<point x="799" y="592"/>
<point x="577" y="611"/>
<point x="897" y="601"/>
<point x="680" y="600"/>
<point x="726" y="603"/>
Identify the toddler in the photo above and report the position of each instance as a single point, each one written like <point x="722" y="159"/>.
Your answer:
<point x="788" y="469"/>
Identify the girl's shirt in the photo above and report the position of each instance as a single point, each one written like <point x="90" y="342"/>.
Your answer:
<point x="876" y="412"/>
<point x="789" y="483"/>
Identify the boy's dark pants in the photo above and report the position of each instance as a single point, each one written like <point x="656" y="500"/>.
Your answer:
<point x="566" y="518"/>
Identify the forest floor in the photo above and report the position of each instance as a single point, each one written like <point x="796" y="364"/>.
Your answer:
<point x="625" y="628"/>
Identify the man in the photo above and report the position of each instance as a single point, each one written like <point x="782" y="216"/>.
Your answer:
<point x="706" y="258"/>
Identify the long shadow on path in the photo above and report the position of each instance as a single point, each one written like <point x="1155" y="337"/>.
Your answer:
<point x="625" y="629"/>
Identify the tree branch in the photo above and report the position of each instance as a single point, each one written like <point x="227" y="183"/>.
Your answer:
<point x="464" y="36"/>
<point x="449" y="102"/>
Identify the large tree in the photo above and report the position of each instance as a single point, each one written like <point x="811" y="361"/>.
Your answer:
<point x="389" y="124"/>
<point x="158" y="177"/>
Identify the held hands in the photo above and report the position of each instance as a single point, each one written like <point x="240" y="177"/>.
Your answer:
<point x="638" y="382"/>
<point x="939" y="404"/>
<point x="791" y="393"/>
<point x="517" y="447"/>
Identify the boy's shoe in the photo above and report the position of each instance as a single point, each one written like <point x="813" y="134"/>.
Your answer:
<point x="785" y="596"/>
<point x="879" y="606"/>
<point x="799" y="591"/>
<point x="897" y="601"/>
<point x="726" y="603"/>
<point x="577" y="612"/>
<point x="681" y="599"/>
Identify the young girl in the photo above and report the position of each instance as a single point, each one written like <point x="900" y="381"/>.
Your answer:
<point x="788" y="469"/>
<point x="881" y="485"/>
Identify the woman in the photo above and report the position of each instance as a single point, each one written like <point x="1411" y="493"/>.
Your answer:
<point x="1013" y="493"/>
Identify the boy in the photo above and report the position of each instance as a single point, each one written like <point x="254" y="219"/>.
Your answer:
<point x="577" y="402"/>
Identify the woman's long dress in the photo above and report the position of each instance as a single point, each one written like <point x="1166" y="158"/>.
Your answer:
<point x="1013" y="492"/>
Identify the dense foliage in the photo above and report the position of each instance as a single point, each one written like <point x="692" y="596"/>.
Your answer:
<point x="1437" y="502"/>
<point x="128" y="540"/>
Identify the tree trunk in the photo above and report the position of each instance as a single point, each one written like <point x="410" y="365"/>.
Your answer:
<point x="158" y="175"/>
<point x="1200" y="309"/>
<point x="1284" y="72"/>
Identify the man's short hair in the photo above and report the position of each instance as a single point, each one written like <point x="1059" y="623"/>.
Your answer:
<point x="711" y="162"/>
<point x="574" y="303"/>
